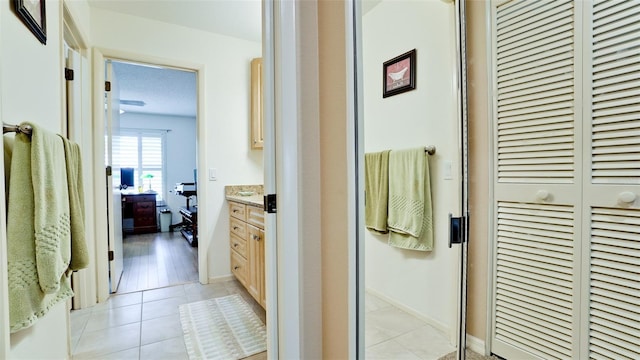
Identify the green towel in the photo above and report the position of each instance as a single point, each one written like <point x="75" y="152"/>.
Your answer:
<point x="38" y="227"/>
<point x="79" y="252"/>
<point x="376" y="188"/>
<point x="410" y="210"/>
<point x="51" y="217"/>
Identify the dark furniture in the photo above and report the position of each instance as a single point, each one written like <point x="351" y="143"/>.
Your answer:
<point x="189" y="224"/>
<point x="139" y="213"/>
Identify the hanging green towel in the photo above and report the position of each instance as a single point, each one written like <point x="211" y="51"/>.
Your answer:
<point x="39" y="225"/>
<point x="376" y="185"/>
<point x="51" y="215"/>
<point x="410" y="209"/>
<point x="73" y="160"/>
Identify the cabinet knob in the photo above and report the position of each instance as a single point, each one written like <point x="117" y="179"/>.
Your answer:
<point x="256" y="237"/>
<point x="235" y="210"/>
<point x="236" y="267"/>
<point x="235" y="245"/>
<point x="542" y="195"/>
<point x="235" y="228"/>
<point x="626" y="197"/>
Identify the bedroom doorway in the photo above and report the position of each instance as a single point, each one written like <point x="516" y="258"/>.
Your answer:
<point x="151" y="147"/>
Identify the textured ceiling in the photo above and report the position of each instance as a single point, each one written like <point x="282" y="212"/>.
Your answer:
<point x="169" y="91"/>
<point x="163" y="91"/>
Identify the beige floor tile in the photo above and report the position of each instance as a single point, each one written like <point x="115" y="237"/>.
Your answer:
<point x="389" y="350"/>
<point x="164" y="307"/>
<point x="392" y="321"/>
<point x="94" y="344"/>
<point x="163" y="293"/>
<point x="102" y="319"/>
<point x="426" y="342"/>
<point x="129" y="354"/>
<point x="161" y="328"/>
<point x="171" y="349"/>
<point x="119" y="300"/>
<point x="374" y="335"/>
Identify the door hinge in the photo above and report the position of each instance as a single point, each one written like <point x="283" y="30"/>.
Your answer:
<point x="68" y="74"/>
<point x="270" y="203"/>
<point x="107" y="86"/>
<point x="109" y="171"/>
<point x="110" y="255"/>
<point x="457" y="226"/>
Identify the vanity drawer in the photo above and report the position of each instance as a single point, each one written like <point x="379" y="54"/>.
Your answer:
<point x="237" y="210"/>
<point x="239" y="245"/>
<point x="238" y="227"/>
<point x="239" y="267"/>
<point x="255" y="216"/>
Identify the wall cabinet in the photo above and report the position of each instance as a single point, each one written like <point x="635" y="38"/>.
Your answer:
<point x="246" y="225"/>
<point x="139" y="213"/>
<point x="257" y="140"/>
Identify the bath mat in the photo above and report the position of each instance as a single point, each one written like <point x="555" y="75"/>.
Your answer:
<point x="223" y="328"/>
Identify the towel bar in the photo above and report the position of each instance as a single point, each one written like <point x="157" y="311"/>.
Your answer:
<point x="25" y="129"/>
<point x="430" y="149"/>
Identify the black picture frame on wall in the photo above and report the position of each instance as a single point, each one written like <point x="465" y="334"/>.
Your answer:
<point x="32" y="13"/>
<point x="399" y="74"/>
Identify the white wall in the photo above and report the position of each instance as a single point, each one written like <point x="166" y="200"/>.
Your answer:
<point x="423" y="283"/>
<point x="226" y="75"/>
<point x="180" y="146"/>
<point x="31" y="89"/>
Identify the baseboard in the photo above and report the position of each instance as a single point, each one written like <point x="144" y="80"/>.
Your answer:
<point x="436" y="324"/>
<point x="475" y="344"/>
<point x="222" y="278"/>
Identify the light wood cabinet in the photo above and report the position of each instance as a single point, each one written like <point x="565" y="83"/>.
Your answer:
<point x="257" y="132"/>
<point x="246" y="227"/>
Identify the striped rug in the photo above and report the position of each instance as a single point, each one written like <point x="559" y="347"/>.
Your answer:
<point x="222" y="328"/>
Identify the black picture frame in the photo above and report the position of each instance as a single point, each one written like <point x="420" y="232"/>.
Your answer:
<point x="399" y="74"/>
<point x="32" y="13"/>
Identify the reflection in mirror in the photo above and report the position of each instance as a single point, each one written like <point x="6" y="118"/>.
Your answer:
<point x="411" y="282"/>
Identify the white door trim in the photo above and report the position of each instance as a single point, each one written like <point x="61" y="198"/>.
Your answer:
<point x="100" y="207"/>
<point x="270" y="186"/>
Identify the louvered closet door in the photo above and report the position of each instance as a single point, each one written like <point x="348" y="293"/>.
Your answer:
<point x="612" y="181"/>
<point x="537" y="182"/>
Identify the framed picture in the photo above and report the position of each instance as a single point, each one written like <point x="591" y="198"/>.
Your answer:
<point x="32" y="14"/>
<point x="399" y="74"/>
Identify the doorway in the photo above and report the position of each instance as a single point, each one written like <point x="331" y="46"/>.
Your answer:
<point x="412" y="293"/>
<point x="153" y="157"/>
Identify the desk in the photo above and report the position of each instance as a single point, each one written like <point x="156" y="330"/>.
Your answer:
<point x="189" y="224"/>
<point x="139" y="213"/>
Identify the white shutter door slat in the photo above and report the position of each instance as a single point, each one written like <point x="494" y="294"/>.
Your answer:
<point x="614" y="313"/>
<point x="515" y="12"/>
<point x="535" y="84"/>
<point x="615" y="106"/>
<point x="534" y="265"/>
<point x="523" y="26"/>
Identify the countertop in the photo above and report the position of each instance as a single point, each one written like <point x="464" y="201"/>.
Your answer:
<point x="232" y="193"/>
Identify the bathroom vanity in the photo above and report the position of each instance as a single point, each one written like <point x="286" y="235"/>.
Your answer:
<point x="247" y="240"/>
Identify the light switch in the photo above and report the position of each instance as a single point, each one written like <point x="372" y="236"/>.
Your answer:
<point x="447" y="173"/>
<point x="213" y="174"/>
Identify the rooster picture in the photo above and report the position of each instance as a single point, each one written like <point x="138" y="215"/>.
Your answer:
<point x="397" y="76"/>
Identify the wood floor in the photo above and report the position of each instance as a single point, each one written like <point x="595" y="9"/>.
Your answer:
<point x="157" y="260"/>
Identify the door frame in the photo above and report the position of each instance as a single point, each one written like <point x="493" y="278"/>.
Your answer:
<point x="353" y="33"/>
<point x="99" y="57"/>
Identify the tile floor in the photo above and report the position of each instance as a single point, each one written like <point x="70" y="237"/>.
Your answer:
<point x="391" y="333"/>
<point x="145" y="324"/>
